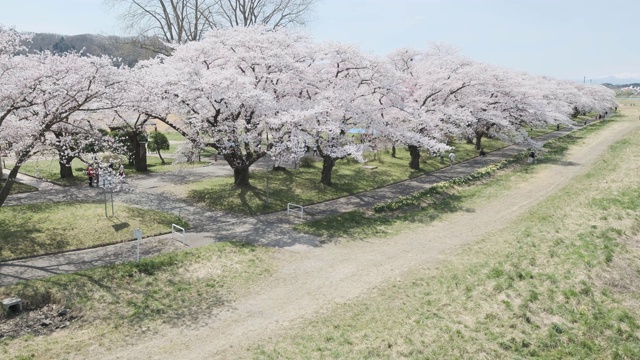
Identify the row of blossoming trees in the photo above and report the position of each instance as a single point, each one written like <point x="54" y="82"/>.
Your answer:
<point x="249" y="92"/>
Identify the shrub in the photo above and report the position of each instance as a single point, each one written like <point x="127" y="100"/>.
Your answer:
<point x="307" y="161"/>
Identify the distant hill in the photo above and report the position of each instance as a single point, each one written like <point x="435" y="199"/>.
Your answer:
<point x="623" y="86"/>
<point x="128" y="50"/>
<point x="621" y="79"/>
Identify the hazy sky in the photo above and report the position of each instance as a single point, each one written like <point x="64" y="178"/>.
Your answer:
<point x="560" y="38"/>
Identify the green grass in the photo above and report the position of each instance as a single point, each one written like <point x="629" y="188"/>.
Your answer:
<point x="50" y="170"/>
<point x="119" y="301"/>
<point x="18" y="188"/>
<point x="430" y="204"/>
<point x="29" y="230"/>
<point x="560" y="282"/>
<point x="538" y="132"/>
<point x="174" y="136"/>
<point x="303" y="186"/>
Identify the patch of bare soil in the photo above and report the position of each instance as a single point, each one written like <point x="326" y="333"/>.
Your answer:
<point x="42" y="321"/>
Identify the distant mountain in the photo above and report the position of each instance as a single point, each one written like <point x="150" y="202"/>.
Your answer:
<point x="619" y="79"/>
<point x="128" y="50"/>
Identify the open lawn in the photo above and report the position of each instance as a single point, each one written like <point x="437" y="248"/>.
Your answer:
<point x="559" y="283"/>
<point x="29" y="230"/>
<point x="303" y="186"/>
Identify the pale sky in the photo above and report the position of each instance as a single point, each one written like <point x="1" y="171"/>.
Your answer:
<point x="565" y="39"/>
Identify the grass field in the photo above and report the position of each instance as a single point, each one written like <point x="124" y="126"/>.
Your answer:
<point x="303" y="186"/>
<point x="560" y="282"/>
<point x="29" y="230"/>
<point x="119" y="302"/>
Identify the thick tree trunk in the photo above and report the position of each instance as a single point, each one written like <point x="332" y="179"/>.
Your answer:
<point x="327" y="168"/>
<point x="393" y="151"/>
<point x="479" y="141"/>
<point x="66" y="170"/>
<point x="241" y="176"/>
<point x="140" y="155"/>
<point x="1" y="168"/>
<point x="414" y="152"/>
<point x="8" y="184"/>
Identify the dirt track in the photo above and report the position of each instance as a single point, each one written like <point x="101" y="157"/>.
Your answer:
<point x="314" y="280"/>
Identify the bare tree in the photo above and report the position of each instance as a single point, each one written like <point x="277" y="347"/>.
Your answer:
<point x="181" y="21"/>
<point x="175" y="21"/>
<point x="273" y="13"/>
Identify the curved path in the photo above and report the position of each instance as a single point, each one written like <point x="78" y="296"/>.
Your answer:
<point x="311" y="282"/>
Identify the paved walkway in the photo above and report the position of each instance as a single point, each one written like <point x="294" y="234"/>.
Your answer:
<point x="210" y="226"/>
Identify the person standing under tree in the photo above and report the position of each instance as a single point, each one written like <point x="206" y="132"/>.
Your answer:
<point x="532" y="157"/>
<point x="452" y="158"/>
<point x="90" y="175"/>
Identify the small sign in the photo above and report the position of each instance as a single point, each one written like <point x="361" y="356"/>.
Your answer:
<point x="137" y="233"/>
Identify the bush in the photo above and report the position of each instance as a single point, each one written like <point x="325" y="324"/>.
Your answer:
<point x="308" y="161"/>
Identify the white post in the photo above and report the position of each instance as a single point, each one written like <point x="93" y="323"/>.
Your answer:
<point x="267" y="198"/>
<point x="137" y="233"/>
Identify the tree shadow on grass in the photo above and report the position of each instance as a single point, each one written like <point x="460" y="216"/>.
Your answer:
<point x="359" y="225"/>
<point x="24" y="238"/>
<point x="120" y="226"/>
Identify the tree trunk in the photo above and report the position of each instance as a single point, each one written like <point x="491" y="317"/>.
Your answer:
<point x="140" y="155"/>
<point x="66" y="170"/>
<point x="161" y="159"/>
<point x="8" y="184"/>
<point x="414" y="151"/>
<point x="327" y="168"/>
<point x="241" y="176"/>
<point x="393" y="151"/>
<point x="479" y="141"/>
<point x="1" y="168"/>
<point x="470" y="140"/>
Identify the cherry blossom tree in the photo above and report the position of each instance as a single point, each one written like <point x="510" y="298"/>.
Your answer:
<point x="505" y="104"/>
<point x="432" y="80"/>
<point x="351" y="91"/>
<point x="234" y="91"/>
<point x="586" y="98"/>
<point x="10" y="42"/>
<point x="46" y="93"/>
<point x="341" y="94"/>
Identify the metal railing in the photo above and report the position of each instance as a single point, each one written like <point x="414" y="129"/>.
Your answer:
<point x="295" y="209"/>
<point x="178" y="235"/>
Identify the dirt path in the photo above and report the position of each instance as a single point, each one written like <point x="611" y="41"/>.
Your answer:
<point x="313" y="281"/>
